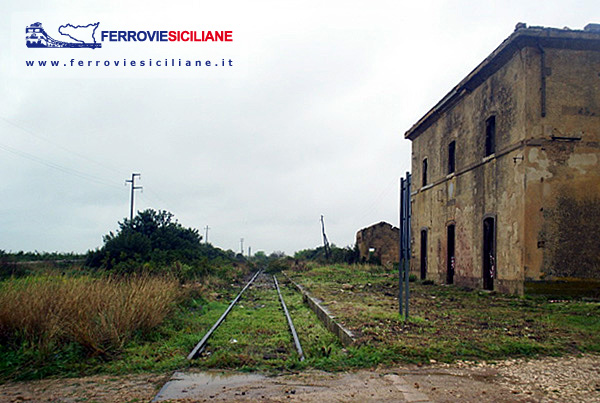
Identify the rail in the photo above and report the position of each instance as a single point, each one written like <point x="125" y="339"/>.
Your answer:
<point x="290" y="323"/>
<point x="202" y="344"/>
<point x="199" y="348"/>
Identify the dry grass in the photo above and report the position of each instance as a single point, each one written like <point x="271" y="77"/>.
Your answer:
<point x="101" y="314"/>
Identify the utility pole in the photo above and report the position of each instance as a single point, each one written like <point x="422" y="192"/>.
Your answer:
<point x="325" y="241"/>
<point x="249" y="251"/>
<point x="133" y="189"/>
<point x="242" y="246"/>
<point x="206" y="237"/>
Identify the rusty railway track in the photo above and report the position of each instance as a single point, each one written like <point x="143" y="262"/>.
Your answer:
<point x="199" y="348"/>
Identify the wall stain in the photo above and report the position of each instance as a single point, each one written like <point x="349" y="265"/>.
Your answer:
<point x="570" y="234"/>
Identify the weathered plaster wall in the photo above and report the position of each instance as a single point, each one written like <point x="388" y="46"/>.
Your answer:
<point x="562" y="178"/>
<point x="542" y="185"/>
<point x="480" y="186"/>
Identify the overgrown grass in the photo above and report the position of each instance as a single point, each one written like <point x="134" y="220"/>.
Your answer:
<point x="79" y="326"/>
<point x="447" y="323"/>
<point x="49" y="320"/>
<point x="59" y="325"/>
<point x="256" y="336"/>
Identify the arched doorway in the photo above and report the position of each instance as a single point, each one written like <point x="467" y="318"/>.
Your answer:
<point x="489" y="253"/>
<point x="423" y="254"/>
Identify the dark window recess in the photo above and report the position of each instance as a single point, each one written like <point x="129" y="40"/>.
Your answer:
<point x="490" y="136"/>
<point x="452" y="157"/>
<point x="424" y="172"/>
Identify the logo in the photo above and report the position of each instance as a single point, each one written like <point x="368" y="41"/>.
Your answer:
<point x="83" y="35"/>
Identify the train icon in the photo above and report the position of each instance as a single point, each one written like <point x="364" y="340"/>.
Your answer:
<point x="37" y="37"/>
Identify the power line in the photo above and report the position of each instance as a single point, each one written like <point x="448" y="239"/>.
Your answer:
<point x="155" y="200"/>
<point x="71" y="171"/>
<point x="57" y="167"/>
<point x="55" y="144"/>
<point x="384" y="192"/>
<point x="66" y="170"/>
<point x="160" y="199"/>
<point x="156" y="203"/>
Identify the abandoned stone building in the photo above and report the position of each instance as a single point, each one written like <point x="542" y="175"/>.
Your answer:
<point x="506" y="174"/>
<point x="379" y="243"/>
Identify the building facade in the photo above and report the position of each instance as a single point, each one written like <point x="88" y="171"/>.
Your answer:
<point x="506" y="167"/>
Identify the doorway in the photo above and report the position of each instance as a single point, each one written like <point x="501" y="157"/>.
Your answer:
<point x="489" y="253"/>
<point x="450" y="261"/>
<point x="423" y="254"/>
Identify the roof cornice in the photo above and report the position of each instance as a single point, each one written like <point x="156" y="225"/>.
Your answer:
<point x="521" y="38"/>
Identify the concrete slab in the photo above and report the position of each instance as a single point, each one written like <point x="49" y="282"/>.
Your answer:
<point x="206" y="385"/>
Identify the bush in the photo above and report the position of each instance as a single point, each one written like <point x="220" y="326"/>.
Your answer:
<point x="154" y="240"/>
<point x="278" y="265"/>
<point x="12" y="269"/>
<point x="100" y="314"/>
<point x="349" y="255"/>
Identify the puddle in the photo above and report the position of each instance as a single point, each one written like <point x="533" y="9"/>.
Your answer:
<point x="207" y="385"/>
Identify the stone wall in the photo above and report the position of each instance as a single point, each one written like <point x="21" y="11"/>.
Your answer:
<point x="384" y="241"/>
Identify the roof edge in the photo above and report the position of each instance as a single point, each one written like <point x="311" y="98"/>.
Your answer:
<point x="523" y="36"/>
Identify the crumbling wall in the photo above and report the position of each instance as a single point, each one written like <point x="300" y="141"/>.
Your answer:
<point x="562" y="217"/>
<point x="384" y="241"/>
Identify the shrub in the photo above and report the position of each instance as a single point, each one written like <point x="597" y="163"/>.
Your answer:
<point x="278" y="265"/>
<point x="349" y="255"/>
<point x="153" y="241"/>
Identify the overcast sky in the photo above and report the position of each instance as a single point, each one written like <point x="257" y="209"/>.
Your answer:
<point x="308" y="120"/>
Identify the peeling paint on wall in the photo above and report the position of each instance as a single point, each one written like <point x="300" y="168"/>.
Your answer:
<point x="570" y="235"/>
<point x="583" y="162"/>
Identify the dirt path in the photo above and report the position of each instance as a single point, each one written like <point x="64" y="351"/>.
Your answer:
<point x="567" y="379"/>
<point x="105" y="388"/>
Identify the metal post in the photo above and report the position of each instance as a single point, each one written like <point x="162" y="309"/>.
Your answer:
<point x="407" y="241"/>
<point x="401" y="260"/>
<point x="403" y="264"/>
